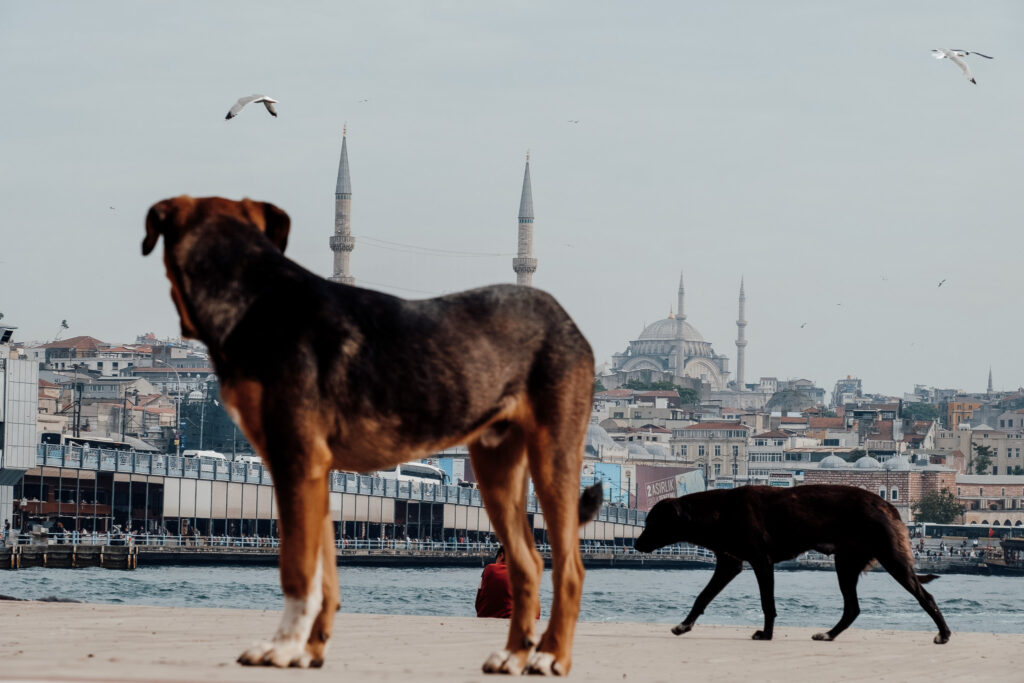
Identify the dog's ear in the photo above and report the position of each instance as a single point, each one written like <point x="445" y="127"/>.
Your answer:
<point x="160" y="216"/>
<point x="274" y="222"/>
<point x="278" y="225"/>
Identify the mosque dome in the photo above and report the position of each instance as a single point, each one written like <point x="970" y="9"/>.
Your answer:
<point x="637" y="450"/>
<point x="666" y="329"/>
<point x="598" y="436"/>
<point x="898" y="462"/>
<point x="831" y="462"/>
<point x="867" y="463"/>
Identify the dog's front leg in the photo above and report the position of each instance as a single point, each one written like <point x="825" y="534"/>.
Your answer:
<point x="727" y="568"/>
<point x="764" y="571"/>
<point x="303" y="510"/>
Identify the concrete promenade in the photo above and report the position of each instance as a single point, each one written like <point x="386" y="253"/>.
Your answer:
<point x="81" y="642"/>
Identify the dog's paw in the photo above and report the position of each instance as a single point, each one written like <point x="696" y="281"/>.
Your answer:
<point x="680" y="629"/>
<point x="281" y="654"/>
<point x="822" y="636"/>
<point x="544" y="664"/>
<point x="502" y="662"/>
<point x="761" y="635"/>
<point x="941" y="639"/>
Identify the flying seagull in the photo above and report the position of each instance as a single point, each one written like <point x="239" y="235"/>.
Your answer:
<point x="941" y="283"/>
<point x="268" y="102"/>
<point x="956" y="56"/>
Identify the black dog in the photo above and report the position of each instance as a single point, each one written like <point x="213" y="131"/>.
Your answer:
<point x="763" y="525"/>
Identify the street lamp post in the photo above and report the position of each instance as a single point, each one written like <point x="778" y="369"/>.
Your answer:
<point x="177" y="411"/>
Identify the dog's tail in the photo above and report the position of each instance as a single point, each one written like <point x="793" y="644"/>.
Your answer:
<point x="925" y="578"/>
<point x="590" y="503"/>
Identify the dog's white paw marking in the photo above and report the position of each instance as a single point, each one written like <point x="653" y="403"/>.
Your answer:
<point x="544" y="664"/>
<point x="288" y="648"/>
<point x="680" y="629"/>
<point x="821" y="636"/>
<point x="502" y="662"/>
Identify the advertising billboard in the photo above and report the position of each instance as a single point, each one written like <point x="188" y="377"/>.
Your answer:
<point x="658" y="483"/>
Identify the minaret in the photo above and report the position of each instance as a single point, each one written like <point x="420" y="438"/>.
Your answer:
<point x="524" y="264"/>
<point x="990" y="379"/>
<point x="342" y="241"/>
<point x="680" y="319"/>
<point x="741" y="340"/>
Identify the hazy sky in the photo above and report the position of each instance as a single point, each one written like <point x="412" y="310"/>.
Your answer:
<point x="814" y="148"/>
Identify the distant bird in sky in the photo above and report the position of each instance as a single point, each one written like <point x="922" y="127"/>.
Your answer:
<point x="112" y="208"/>
<point x="574" y="120"/>
<point x="940" y="283"/>
<point x="268" y="102"/>
<point x="803" y="326"/>
<point x="956" y="56"/>
<point x="361" y="101"/>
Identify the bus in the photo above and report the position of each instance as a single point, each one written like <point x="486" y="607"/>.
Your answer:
<point x="416" y="471"/>
<point x="994" y="530"/>
<point x="98" y="442"/>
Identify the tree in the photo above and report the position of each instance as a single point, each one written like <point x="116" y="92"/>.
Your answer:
<point x="688" y="396"/>
<point x="982" y="460"/>
<point x="939" y="507"/>
<point x="855" y="455"/>
<point x="598" y="386"/>
<point x="920" y="411"/>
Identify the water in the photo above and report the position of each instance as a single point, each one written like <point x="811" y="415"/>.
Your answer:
<point x="991" y="604"/>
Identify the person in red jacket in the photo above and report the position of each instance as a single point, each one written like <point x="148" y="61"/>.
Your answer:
<point x="494" y="596"/>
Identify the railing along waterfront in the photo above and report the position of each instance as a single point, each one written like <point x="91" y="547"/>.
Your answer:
<point x="132" y="462"/>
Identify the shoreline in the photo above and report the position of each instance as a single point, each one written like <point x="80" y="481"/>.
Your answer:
<point x="92" y="642"/>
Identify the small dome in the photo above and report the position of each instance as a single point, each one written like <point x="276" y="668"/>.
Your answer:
<point x="899" y="462"/>
<point x="658" y="450"/>
<point x="598" y="438"/>
<point x="832" y="462"/>
<point x="667" y="329"/>
<point x="195" y="395"/>
<point x="867" y="463"/>
<point x="637" y="450"/>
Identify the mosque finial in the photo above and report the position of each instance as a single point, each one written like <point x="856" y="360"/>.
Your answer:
<point x="527" y="156"/>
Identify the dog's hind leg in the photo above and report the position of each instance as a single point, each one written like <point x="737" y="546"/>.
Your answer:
<point x="726" y="569"/>
<point x="848" y="569"/>
<point x="903" y="571"/>
<point x="555" y="467"/>
<point x="501" y="473"/>
<point x="764" y="570"/>
<point x="303" y="507"/>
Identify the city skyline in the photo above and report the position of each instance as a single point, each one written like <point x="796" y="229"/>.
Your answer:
<point x="831" y="177"/>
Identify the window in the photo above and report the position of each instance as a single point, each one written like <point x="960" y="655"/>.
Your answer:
<point x="682" y="450"/>
<point x="718" y="469"/>
<point x="700" y="450"/>
<point x="718" y="449"/>
<point x="881" y="492"/>
<point x="735" y="469"/>
<point x="735" y="452"/>
<point x="894" y="494"/>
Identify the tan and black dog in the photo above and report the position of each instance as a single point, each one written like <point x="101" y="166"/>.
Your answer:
<point x="762" y="525"/>
<point x="324" y="376"/>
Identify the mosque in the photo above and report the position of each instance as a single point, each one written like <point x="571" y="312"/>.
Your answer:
<point x="672" y="350"/>
<point x="668" y="350"/>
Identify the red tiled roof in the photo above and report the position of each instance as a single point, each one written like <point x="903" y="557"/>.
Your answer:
<point x="793" y="420"/>
<point x="81" y="343"/>
<point x="614" y="393"/>
<point x="660" y="393"/>
<point x="773" y="434"/>
<point x="46" y="385"/>
<point x="825" y="422"/>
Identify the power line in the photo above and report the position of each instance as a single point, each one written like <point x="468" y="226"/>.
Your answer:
<point x="417" y="249"/>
